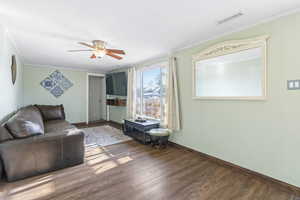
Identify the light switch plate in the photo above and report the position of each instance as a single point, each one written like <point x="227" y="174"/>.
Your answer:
<point x="297" y="84"/>
<point x="293" y="84"/>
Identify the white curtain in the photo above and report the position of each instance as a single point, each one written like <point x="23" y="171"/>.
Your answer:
<point x="173" y="120"/>
<point x="131" y="93"/>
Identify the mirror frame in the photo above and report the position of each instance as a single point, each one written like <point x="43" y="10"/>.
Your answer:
<point x="230" y="47"/>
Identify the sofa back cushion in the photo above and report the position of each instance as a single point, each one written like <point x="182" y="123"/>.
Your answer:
<point x="52" y="112"/>
<point x="26" y="122"/>
<point x="4" y="135"/>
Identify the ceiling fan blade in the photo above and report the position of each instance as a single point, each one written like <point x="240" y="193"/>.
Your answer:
<point x="93" y="56"/>
<point x="117" y="51"/>
<point x="87" y="45"/>
<point x="80" y="50"/>
<point x="113" y="55"/>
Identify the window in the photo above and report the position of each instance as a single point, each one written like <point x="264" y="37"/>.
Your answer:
<point x="232" y="70"/>
<point x="151" y="92"/>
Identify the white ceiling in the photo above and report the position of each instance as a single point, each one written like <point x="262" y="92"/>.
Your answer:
<point x="44" y="30"/>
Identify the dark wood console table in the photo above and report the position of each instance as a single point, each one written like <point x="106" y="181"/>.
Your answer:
<point x="138" y="130"/>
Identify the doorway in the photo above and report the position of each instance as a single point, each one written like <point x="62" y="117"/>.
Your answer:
<point x="96" y="98"/>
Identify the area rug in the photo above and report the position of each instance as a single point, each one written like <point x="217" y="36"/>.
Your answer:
<point x="104" y="136"/>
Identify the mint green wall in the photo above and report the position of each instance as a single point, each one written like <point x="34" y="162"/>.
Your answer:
<point x="11" y="95"/>
<point x="263" y="136"/>
<point x="74" y="99"/>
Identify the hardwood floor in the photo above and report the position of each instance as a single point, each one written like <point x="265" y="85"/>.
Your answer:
<point x="134" y="171"/>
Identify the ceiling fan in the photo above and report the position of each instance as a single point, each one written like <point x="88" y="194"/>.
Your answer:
<point x="99" y="50"/>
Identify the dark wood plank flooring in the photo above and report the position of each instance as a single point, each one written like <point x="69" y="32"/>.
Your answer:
<point x="130" y="171"/>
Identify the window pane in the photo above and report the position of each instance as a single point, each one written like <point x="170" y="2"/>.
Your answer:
<point x="151" y="93"/>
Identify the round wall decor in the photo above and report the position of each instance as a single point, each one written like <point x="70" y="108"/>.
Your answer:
<point x="13" y="68"/>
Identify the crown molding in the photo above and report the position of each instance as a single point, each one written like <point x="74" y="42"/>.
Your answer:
<point x="89" y="70"/>
<point x="198" y="43"/>
<point x="270" y="19"/>
<point x="165" y="55"/>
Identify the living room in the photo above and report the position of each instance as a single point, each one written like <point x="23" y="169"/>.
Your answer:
<point x="149" y="100"/>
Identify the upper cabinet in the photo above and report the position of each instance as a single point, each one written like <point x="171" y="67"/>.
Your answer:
<point x="116" y="84"/>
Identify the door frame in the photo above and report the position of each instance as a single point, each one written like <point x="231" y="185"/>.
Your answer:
<point x="88" y="91"/>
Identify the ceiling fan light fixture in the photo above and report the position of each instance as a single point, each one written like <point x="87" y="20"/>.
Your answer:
<point x="93" y="56"/>
<point x="100" y="53"/>
<point x="99" y="50"/>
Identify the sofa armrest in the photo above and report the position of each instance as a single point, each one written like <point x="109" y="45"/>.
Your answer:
<point x="73" y="148"/>
<point x="39" y="154"/>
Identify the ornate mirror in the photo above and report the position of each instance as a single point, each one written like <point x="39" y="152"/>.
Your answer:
<point x="231" y="70"/>
<point x="13" y="68"/>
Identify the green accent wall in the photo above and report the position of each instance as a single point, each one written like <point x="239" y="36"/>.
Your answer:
<point x="263" y="136"/>
<point x="74" y="99"/>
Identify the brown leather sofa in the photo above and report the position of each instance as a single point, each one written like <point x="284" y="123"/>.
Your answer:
<point x="38" y="139"/>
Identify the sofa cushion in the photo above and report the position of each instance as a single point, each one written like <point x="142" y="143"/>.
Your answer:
<point x="52" y="112"/>
<point x="4" y="134"/>
<point x="57" y="125"/>
<point x="26" y="122"/>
